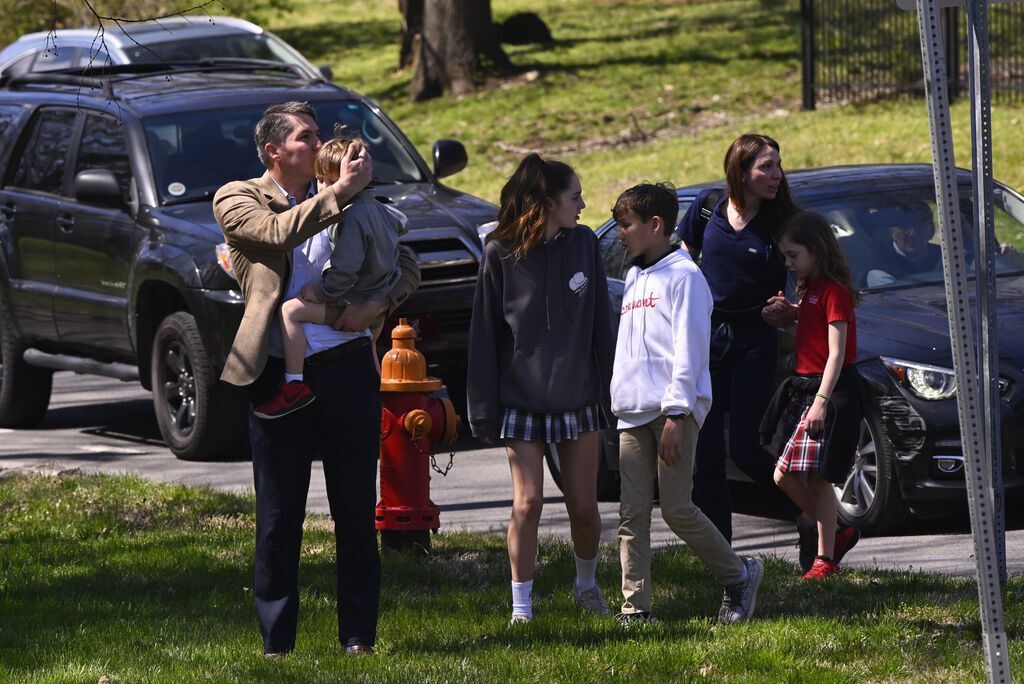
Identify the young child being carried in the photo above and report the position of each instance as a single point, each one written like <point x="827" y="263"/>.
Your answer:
<point x="661" y="393"/>
<point x="363" y="266"/>
<point x="819" y="407"/>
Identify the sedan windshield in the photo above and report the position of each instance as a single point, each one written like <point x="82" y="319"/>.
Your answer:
<point x="194" y="153"/>
<point x="890" y="237"/>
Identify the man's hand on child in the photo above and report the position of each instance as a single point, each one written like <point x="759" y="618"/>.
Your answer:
<point x="670" y="448"/>
<point x="358" y="317"/>
<point x="354" y="172"/>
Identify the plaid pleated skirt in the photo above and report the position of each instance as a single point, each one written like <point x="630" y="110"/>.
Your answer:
<point x="800" y="451"/>
<point x="552" y="427"/>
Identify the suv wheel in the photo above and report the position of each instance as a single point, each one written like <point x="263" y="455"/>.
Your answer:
<point x="24" y="389"/>
<point x="870" y="497"/>
<point x="200" y="418"/>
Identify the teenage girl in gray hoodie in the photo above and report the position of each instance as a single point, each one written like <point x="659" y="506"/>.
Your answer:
<point x="541" y="348"/>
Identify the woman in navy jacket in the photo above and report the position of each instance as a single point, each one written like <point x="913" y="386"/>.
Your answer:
<point x="541" y="347"/>
<point x="743" y="267"/>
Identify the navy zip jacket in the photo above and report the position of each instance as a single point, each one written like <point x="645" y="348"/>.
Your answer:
<point x="541" y="338"/>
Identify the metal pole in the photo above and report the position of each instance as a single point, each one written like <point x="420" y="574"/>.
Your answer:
<point x="808" y="49"/>
<point x="997" y="662"/>
<point x="985" y="271"/>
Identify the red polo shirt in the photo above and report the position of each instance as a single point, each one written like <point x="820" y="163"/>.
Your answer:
<point x="824" y="301"/>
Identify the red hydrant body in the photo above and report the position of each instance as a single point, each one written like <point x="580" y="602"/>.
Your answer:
<point x="412" y="422"/>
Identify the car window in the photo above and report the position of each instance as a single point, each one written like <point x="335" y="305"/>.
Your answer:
<point x="194" y="153"/>
<point x="22" y="65"/>
<point x="59" y="58"/>
<point x="103" y="147"/>
<point x="43" y="159"/>
<point x="890" y="238"/>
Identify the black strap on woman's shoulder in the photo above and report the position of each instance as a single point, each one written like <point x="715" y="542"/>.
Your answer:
<point x="707" y="208"/>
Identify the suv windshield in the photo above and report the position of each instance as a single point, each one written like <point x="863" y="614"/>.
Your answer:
<point x="890" y="237"/>
<point x="194" y="153"/>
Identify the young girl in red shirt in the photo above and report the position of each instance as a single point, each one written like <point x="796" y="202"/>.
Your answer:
<point x="820" y="405"/>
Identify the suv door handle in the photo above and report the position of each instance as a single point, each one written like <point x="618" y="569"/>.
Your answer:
<point x="8" y="211"/>
<point x="66" y="223"/>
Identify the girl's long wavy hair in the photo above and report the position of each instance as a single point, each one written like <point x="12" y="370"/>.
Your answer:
<point x="814" y="232"/>
<point x="738" y="160"/>
<point x="525" y="202"/>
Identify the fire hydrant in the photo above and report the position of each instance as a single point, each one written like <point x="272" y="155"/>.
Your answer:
<point x="412" y="422"/>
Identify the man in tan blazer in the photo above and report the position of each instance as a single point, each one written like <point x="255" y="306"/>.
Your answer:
<point x="273" y="230"/>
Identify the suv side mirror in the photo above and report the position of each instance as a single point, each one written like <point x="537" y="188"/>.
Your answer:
<point x="98" y="187"/>
<point x="449" y="157"/>
<point x="325" y="71"/>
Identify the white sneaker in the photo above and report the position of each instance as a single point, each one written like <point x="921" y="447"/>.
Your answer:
<point x="590" y="600"/>
<point x="518" y="619"/>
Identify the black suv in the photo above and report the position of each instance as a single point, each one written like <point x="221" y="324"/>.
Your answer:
<point x="111" y="262"/>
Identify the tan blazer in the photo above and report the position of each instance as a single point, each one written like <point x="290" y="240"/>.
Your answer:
<point x="261" y="231"/>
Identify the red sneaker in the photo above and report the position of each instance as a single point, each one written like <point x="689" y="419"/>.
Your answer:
<point x="847" y="537"/>
<point x="291" y="396"/>
<point x="823" y="567"/>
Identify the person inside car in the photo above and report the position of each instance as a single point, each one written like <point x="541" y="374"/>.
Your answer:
<point x="909" y="250"/>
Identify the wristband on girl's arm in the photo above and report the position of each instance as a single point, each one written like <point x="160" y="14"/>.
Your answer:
<point x="823" y="396"/>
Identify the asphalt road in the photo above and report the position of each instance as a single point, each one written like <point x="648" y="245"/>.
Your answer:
<point x="101" y="425"/>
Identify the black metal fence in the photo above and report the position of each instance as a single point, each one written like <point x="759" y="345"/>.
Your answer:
<point x="870" y="49"/>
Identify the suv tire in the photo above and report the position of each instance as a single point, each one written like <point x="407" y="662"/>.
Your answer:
<point x="200" y="418"/>
<point x="24" y="389"/>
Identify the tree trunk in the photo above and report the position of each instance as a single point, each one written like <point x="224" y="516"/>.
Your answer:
<point x="412" y="29"/>
<point x="458" y="45"/>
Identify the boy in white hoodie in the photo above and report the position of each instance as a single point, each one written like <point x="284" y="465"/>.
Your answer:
<point x="661" y="393"/>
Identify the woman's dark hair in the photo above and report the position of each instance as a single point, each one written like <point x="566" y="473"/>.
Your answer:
<point x="738" y="160"/>
<point x="524" y="201"/>
<point x="814" y="232"/>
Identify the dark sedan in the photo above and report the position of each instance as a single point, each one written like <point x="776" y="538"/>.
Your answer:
<point x="909" y="457"/>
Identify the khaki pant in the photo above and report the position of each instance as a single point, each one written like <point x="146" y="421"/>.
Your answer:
<point x="638" y="465"/>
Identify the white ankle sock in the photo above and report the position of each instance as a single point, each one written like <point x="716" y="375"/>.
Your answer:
<point x="292" y="377"/>
<point x="586" y="570"/>
<point x="521" y="601"/>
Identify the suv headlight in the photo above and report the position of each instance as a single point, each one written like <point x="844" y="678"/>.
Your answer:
<point x="224" y="259"/>
<point x="931" y="383"/>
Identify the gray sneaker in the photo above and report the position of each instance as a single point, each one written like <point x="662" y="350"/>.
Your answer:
<point x="739" y="598"/>
<point x="590" y="600"/>
<point x="633" y="619"/>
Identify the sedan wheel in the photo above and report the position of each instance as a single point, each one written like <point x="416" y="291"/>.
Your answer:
<point x="870" y="497"/>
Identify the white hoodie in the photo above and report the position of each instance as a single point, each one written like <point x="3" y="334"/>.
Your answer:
<point x="662" y="352"/>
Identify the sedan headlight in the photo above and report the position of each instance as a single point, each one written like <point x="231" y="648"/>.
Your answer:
<point x="483" y="230"/>
<point x="224" y="259"/>
<point x="931" y="383"/>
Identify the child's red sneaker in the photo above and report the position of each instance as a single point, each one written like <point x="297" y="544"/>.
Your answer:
<point x="823" y="567"/>
<point x="291" y="396"/>
<point x="847" y="537"/>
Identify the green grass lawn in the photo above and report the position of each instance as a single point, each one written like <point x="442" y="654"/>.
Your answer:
<point x="143" y="582"/>
<point x="631" y="91"/>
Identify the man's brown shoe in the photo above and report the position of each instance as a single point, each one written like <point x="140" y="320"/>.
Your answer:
<point x="359" y="649"/>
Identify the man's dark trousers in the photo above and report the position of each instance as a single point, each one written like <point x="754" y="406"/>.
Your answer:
<point x="342" y="427"/>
